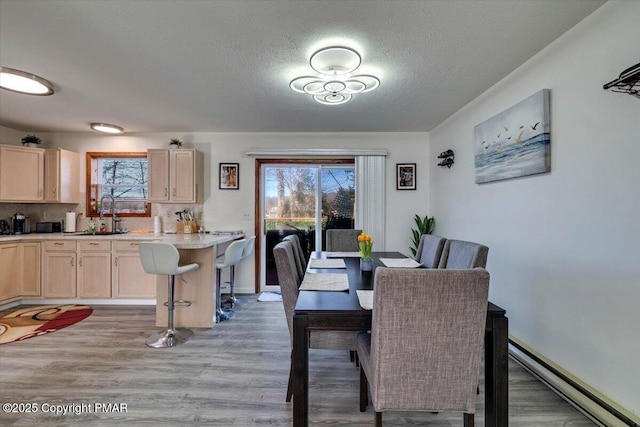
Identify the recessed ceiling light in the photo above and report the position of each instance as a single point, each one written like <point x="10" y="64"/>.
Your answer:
<point x="106" y="128"/>
<point x="23" y="82"/>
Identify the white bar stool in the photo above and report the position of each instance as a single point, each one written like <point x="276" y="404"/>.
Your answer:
<point x="163" y="258"/>
<point x="232" y="255"/>
<point x="248" y="250"/>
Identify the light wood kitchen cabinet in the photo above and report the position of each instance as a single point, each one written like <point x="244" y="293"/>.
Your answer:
<point x="175" y="176"/>
<point x="129" y="278"/>
<point x="59" y="269"/>
<point x="29" y="265"/>
<point x="94" y="269"/>
<point x="21" y="174"/>
<point x="9" y="272"/>
<point x="62" y="176"/>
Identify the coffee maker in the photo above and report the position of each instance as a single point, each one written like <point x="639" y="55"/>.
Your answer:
<point x="20" y="224"/>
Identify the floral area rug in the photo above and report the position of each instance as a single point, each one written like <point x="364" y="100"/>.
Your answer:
<point x="29" y="322"/>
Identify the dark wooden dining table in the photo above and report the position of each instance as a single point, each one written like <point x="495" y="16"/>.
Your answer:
<point x="329" y="310"/>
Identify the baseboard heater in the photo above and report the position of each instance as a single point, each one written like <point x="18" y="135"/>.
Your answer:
<point x="584" y="400"/>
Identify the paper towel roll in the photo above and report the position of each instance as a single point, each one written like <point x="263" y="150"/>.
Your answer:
<point x="157" y="225"/>
<point x="70" y="222"/>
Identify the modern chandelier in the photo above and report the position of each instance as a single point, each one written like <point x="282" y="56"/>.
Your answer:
<point x="335" y="82"/>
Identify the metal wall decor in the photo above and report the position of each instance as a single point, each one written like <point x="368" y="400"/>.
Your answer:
<point x="447" y="157"/>
<point x="627" y="82"/>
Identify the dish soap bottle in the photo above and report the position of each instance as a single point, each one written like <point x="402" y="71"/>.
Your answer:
<point x="92" y="226"/>
<point x="103" y="227"/>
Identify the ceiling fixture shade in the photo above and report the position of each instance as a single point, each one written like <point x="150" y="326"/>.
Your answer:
<point x="23" y="82"/>
<point x="106" y="128"/>
<point x="335" y="82"/>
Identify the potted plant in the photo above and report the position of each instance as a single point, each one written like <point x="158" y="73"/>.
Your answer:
<point x="175" y="143"/>
<point x="31" y="141"/>
<point x="425" y="226"/>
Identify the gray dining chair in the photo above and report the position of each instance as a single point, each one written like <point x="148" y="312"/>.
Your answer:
<point x="298" y="253"/>
<point x="430" y="250"/>
<point x="424" y="349"/>
<point x="342" y="240"/>
<point x="289" y="283"/>
<point x="458" y="254"/>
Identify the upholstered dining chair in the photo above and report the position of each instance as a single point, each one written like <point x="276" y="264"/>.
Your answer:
<point x="458" y="254"/>
<point x="342" y="240"/>
<point x="289" y="283"/>
<point x="298" y="253"/>
<point x="424" y="348"/>
<point x="430" y="250"/>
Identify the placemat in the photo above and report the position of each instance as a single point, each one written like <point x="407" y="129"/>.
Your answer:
<point x="400" y="262"/>
<point x="325" y="282"/>
<point x="343" y="254"/>
<point x="327" y="263"/>
<point x="365" y="298"/>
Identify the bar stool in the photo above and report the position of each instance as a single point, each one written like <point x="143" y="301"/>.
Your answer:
<point x="248" y="249"/>
<point x="163" y="258"/>
<point x="232" y="255"/>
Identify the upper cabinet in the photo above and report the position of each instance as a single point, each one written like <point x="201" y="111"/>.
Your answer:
<point x="175" y="176"/>
<point x="38" y="175"/>
<point x="21" y="174"/>
<point x="61" y="184"/>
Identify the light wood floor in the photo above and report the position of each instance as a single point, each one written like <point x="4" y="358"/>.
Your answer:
<point x="232" y="375"/>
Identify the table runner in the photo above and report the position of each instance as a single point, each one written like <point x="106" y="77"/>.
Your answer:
<point x="365" y="298"/>
<point x="325" y="282"/>
<point x="327" y="263"/>
<point x="400" y="262"/>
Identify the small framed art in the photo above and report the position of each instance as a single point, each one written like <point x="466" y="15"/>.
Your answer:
<point x="405" y="176"/>
<point x="229" y="176"/>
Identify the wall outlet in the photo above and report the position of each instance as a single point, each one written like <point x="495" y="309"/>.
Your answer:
<point x="246" y="216"/>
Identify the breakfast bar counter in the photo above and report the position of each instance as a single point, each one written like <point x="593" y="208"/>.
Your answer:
<point x="198" y="286"/>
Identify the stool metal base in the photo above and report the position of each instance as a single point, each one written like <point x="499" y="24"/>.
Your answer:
<point x="169" y="338"/>
<point x="222" y="315"/>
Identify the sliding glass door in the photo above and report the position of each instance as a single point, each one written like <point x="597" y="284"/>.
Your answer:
<point x="304" y="199"/>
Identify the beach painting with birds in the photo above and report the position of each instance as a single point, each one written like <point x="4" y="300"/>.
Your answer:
<point x="516" y="142"/>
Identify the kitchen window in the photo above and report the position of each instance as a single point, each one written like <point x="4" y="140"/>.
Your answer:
<point x="123" y="176"/>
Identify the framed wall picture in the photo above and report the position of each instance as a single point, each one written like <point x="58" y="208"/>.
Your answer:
<point x="229" y="176"/>
<point x="405" y="176"/>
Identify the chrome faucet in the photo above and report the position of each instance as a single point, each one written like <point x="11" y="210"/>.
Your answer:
<point x="114" y="218"/>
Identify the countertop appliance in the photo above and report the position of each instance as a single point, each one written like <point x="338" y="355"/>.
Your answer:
<point x="20" y="224"/>
<point x="48" y="227"/>
<point x="4" y="227"/>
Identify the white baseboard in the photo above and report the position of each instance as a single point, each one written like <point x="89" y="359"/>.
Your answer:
<point x="590" y="408"/>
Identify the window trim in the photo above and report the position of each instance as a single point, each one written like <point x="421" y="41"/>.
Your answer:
<point x="92" y="157"/>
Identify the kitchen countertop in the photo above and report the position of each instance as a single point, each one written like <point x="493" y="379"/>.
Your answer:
<point x="180" y="241"/>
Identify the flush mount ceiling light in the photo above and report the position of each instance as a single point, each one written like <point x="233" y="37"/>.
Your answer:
<point x="23" y="82"/>
<point x="335" y="82"/>
<point x="106" y="128"/>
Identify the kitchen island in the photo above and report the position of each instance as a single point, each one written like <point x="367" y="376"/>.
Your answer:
<point x="198" y="287"/>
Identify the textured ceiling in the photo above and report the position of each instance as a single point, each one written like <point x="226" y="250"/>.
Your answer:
<point x="225" y="66"/>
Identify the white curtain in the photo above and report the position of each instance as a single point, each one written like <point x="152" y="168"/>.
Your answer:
<point x="370" y="198"/>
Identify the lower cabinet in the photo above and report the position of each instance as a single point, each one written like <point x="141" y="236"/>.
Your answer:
<point x="129" y="278"/>
<point x="9" y="271"/>
<point x="30" y="269"/>
<point x="59" y="269"/>
<point x="19" y="270"/>
<point x="94" y="269"/>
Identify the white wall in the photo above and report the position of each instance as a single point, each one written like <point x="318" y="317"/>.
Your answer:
<point x="564" y="247"/>
<point x="222" y="208"/>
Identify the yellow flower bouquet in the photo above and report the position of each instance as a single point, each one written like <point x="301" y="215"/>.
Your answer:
<point x="366" y="245"/>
